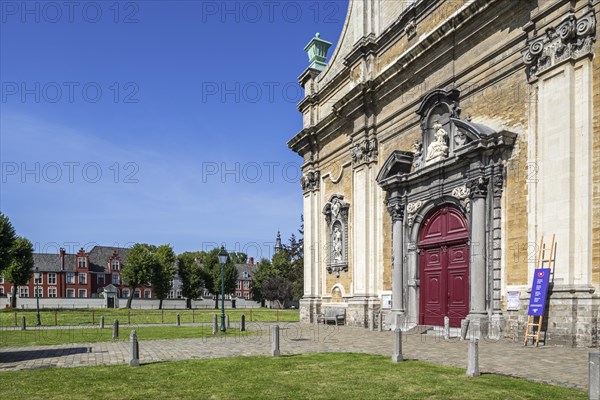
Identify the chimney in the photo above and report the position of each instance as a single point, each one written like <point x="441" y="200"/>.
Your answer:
<point x="251" y="261"/>
<point x="62" y="259"/>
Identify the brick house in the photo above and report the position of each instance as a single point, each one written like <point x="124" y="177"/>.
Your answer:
<point x="81" y="275"/>
<point x="244" y="283"/>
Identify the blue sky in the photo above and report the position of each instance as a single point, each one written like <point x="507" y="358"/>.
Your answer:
<point x="154" y="121"/>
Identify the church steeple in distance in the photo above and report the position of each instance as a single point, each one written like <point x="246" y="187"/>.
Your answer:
<point x="278" y="245"/>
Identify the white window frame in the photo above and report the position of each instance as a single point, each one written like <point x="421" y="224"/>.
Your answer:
<point x="52" y="292"/>
<point x="23" y="291"/>
<point x="72" y="292"/>
<point x="137" y="294"/>
<point x="179" y="294"/>
<point x="116" y="279"/>
<point x="147" y="294"/>
<point x="70" y="275"/>
<point x="1" y="278"/>
<point x="39" y="281"/>
<point x="84" y="275"/>
<point x="79" y="262"/>
<point x="125" y="293"/>
<point x="1" y="291"/>
<point x="115" y="265"/>
<point x="52" y="278"/>
<point x="84" y="291"/>
<point x="38" y="290"/>
<point x="100" y="277"/>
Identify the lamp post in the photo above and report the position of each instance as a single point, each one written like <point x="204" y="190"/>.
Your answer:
<point x="222" y="260"/>
<point x="37" y="275"/>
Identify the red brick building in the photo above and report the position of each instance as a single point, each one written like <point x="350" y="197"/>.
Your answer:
<point x="81" y="275"/>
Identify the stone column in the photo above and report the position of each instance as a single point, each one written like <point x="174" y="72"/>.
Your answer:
<point x="396" y="210"/>
<point x="478" y="268"/>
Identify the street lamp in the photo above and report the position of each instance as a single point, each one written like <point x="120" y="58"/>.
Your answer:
<point x="222" y="260"/>
<point x="37" y="276"/>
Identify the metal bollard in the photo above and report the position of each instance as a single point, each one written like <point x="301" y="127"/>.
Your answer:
<point x="115" y="333"/>
<point x="473" y="361"/>
<point x="594" y="375"/>
<point x="23" y="323"/>
<point x="134" y="353"/>
<point x="275" y="342"/>
<point x="397" y="356"/>
<point x="446" y="328"/>
<point x="215" y="325"/>
<point x="372" y="321"/>
<point x="227" y="321"/>
<point x="243" y="324"/>
<point x="380" y="322"/>
<point x="102" y="322"/>
<point x="178" y="318"/>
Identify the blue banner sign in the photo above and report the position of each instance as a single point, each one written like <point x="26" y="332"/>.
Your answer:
<point x="539" y="291"/>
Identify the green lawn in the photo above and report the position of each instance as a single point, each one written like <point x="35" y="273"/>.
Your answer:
<point x="42" y="337"/>
<point x="315" y="376"/>
<point x="137" y="316"/>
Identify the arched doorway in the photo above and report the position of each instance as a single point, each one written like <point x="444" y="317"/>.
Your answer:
<point x="444" y="267"/>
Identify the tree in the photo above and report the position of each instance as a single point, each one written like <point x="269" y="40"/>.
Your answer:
<point x="192" y="276"/>
<point x="20" y="269"/>
<point x="138" y="268"/>
<point x="277" y="288"/>
<point x="212" y="269"/>
<point x="262" y="273"/>
<point x="162" y="272"/>
<point x="238" y="258"/>
<point x="7" y="241"/>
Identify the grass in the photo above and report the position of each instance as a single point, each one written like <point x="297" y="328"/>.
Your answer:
<point x="314" y="376"/>
<point x="138" y="316"/>
<point x="42" y="337"/>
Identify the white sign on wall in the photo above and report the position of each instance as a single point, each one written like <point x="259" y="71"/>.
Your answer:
<point x="386" y="301"/>
<point x="512" y="301"/>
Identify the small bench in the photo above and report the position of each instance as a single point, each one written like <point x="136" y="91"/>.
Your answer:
<point x="333" y="314"/>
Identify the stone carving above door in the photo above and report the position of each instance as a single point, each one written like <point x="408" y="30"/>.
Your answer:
<point x="411" y="210"/>
<point x="572" y="39"/>
<point x="463" y="193"/>
<point x="336" y="215"/>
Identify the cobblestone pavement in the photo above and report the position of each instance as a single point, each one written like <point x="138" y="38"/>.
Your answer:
<point x="557" y="365"/>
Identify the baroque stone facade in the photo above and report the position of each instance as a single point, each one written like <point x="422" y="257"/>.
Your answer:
<point x="454" y="135"/>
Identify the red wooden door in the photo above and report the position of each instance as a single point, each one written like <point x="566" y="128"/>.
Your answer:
<point x="444" y="268"/>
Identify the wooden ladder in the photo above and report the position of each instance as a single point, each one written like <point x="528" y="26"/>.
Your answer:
<point x="533" y="329"/>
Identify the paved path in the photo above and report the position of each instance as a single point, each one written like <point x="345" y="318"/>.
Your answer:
<point x="557" y="365"/>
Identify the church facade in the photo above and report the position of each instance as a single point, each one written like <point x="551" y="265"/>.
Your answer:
<point x="441" y="141"/>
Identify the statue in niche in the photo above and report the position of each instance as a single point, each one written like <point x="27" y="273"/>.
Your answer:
<point x="438" y="148"/>
<point x="337" y="245"/>
<point x="460" y="139"/>
<point x="418" y="154"/>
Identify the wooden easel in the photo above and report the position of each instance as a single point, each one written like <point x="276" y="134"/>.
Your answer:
<point x="533" y="329"/>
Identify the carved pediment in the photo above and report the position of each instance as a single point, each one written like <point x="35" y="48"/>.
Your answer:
<point x="398" y="163"/>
